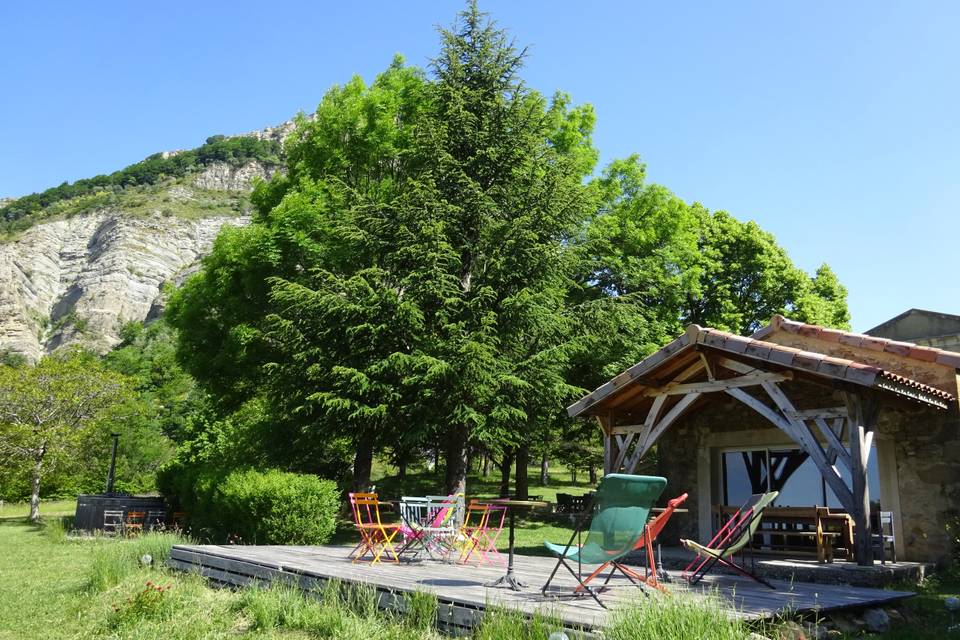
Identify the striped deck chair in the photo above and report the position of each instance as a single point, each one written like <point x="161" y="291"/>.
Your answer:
<point x="730" y="539"/>
<point x="654" y="527"/>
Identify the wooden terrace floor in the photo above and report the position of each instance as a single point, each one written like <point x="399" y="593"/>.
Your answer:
<point x="462" y="595"/>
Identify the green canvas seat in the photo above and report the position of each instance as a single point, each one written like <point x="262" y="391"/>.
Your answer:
<point x="620" y="510"/>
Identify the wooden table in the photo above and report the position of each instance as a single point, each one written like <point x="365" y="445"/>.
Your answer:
<point x="510" y="580"/>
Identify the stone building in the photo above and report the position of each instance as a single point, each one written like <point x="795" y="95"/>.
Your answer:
<point x="927" y="328"/>
<point x="827" y="417"/>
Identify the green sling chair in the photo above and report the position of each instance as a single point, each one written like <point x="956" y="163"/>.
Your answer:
<point x="619" y="510"/>
<point x="730" y="539"/>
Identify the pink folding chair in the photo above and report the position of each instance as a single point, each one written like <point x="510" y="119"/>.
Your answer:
<point x="481" y="528"/>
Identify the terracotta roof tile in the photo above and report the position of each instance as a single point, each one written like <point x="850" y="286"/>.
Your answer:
<point x="782" y="355"/>
<point x="818" y="363"/>
<point x="830" y="335"/>
<point x="809" y="330"/>
<point x="923" y="353"/>
<point x="808" y="360"/>
<point x="737" y="344"/>
<point x="874" y="344"/>
<point x="851" y="339"/>
<point x="899" y="348"/>
<point x="949" y="358"/>
<point x="833" y="367"/>
<point x="758" y="349"/>
<point x="860" y="340"/>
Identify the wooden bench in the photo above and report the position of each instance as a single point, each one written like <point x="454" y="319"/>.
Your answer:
<point x="799" y="530"/>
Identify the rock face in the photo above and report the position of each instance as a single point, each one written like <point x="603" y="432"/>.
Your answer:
<point x="220" y="176"/>
<point x="79" y="280"/>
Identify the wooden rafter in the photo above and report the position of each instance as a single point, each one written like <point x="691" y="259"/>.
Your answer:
<point x="708" y="386"/>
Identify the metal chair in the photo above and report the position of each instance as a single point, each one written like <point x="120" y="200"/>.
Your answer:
<point x="376" y="536"/>
<point x="883" y="536"/>
<point x="481" y="529"/>
<point x="134" y="523"/>
<point x="156" y="519"/>
<point x="113" y="522"/>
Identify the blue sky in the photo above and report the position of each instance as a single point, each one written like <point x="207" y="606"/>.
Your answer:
<point x="833" y="125"/>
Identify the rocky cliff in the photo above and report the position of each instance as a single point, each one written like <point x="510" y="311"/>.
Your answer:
<point x="80" y="280"/>
<point x="80" y="276"/>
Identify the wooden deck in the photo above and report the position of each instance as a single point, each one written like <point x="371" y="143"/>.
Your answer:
<point x="462" y="595"/>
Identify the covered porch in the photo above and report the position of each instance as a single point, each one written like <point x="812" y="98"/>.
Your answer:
<point x="830" y="419"/>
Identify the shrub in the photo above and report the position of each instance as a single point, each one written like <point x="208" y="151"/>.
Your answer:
<point x="258" y="507"/>
<point x="274" y="507"/>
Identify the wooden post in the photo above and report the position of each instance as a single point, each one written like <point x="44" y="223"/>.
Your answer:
<point x="609" y="444"/>
<point x="862" y="409"/>
<point x="609" y="452"/>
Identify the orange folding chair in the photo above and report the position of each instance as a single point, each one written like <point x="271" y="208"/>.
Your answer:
<point x="481" y="529"/>
<point x="653" y="529"/>
<point x="134" y="523"/>
<point x="376" y="536"/>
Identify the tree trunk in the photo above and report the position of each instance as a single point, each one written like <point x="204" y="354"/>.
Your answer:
<point x="593" y="474"/>
<point x="544" y="468"/>
<point x="486" y="465"/>
<point x="402" y="468"/>
<point x="362" y="462"/>
<point x="35" y="485"/>
<point x="573" y="475"/>
<point x="455" y="479"/>
<point x="522" y="481"/>
<point x="506" y="464"/>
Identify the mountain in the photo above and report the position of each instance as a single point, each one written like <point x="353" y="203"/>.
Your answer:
<point x="81" y="260"/>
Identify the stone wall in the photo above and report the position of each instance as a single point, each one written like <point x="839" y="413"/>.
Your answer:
<point x="927" y="446"/>
<point x="925" y="442"/>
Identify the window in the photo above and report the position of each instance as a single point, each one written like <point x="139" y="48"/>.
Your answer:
<point x="789" y="471"/>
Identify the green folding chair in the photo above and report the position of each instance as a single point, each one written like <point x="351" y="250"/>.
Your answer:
<point x="732" y="537"/>
<point x="618" y="519"/>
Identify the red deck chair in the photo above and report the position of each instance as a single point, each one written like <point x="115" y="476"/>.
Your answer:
<point x="376" y="537"/>
<point x="732" y="537"/>
<point x="654" y="527"/>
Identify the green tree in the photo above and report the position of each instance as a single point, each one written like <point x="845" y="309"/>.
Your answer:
<point x="48" y="410"/>
<point x="505" y="175"/>
<point x="296" y="308"/>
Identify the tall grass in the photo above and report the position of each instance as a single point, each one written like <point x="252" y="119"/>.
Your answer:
<point x="55" y="528"/>
<point x="114" y="561"/>
<point x="337" y="611"/>
<point x="499" y="623"/>
<point x="676" y="618"/>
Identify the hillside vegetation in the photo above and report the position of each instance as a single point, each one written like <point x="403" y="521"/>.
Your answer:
<point x="134" y="185"/>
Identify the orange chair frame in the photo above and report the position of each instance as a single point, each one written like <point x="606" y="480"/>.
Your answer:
<point x="376" y="536"/>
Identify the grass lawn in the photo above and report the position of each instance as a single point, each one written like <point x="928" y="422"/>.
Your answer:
<point x="53" y="587"/>
<point x="20" y="510"/>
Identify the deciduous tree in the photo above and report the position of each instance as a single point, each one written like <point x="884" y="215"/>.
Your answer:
<point x="47" y="410"/>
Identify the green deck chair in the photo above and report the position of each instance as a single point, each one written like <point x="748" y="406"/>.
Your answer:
<point x="729" y="540"/>
<point x="619" y="510"/>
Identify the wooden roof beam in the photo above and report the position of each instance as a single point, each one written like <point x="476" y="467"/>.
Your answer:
<point x="709" y="386"/>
